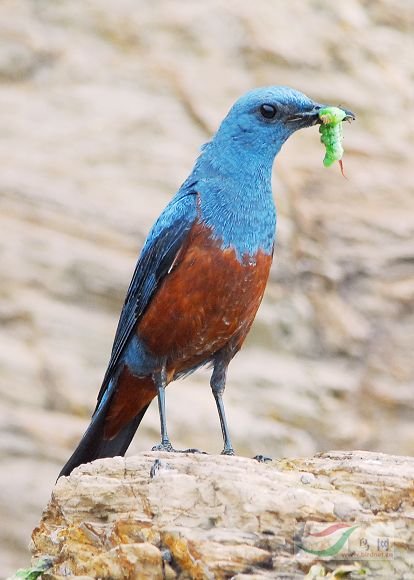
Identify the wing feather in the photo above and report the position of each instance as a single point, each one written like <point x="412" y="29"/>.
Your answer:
<point x="156" y="260"/>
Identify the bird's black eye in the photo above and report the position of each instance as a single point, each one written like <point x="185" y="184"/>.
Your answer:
<point x="268" y="111"/>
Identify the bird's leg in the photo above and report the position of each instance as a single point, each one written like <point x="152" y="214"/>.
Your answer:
<point x="218" y="383"/>
<point x="160" y="380"/>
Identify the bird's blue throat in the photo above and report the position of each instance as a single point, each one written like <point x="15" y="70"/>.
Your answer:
<point x="236" y="199"/>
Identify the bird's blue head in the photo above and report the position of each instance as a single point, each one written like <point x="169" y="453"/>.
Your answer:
<point x="233" y="173"/>
<point x="261" y="120"/>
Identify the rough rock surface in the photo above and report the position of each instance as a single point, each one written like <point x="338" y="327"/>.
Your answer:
<point x="202" y="516"/>
<point x="103" y="107"/>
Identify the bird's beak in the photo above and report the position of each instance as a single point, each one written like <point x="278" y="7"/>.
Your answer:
<point x="311" y="117"/>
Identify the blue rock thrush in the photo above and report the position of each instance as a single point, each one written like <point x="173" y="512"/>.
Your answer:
<point x="201" y="274"/>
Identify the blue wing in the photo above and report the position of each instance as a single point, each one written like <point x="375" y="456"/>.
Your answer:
<point x="158" y="254"/>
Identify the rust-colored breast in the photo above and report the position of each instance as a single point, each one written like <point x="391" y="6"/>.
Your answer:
<point x="208" y="299"/>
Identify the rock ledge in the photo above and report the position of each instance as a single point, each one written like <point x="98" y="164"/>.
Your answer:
<point x="158" y="515"/>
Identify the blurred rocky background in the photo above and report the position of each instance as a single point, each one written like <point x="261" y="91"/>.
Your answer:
<point x="103" y="107"/>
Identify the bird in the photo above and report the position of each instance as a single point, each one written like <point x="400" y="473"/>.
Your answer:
<point x="201" y="274"/>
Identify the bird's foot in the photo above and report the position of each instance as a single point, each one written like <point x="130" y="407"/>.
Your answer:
<point x="164" y="446"/>
<point x="228" y="451"/>
<point x="193" y="450"/>
<point x="262" y="458"/>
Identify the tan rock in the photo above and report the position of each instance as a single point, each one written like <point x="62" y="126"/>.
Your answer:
<point x="205" y="516"/>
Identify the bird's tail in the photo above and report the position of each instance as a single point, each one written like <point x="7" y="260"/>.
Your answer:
<point x="114" y="422"/>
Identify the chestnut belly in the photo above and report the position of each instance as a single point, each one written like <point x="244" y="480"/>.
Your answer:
<point x="207" y="300"/>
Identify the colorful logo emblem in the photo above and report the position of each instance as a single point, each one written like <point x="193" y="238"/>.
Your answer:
<point x="327" y="542"/>
<point x="344" y="541"/>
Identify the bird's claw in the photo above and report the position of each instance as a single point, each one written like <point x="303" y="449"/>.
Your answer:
<point x="170" y="449"/>
<point x="262" y="458"/>
<point x="229" y="451"/>
<point x="193" y="450"/>
<point x="164" y="447"/>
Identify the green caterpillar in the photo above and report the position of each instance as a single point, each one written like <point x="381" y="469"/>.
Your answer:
<point x="331" y="134"/>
